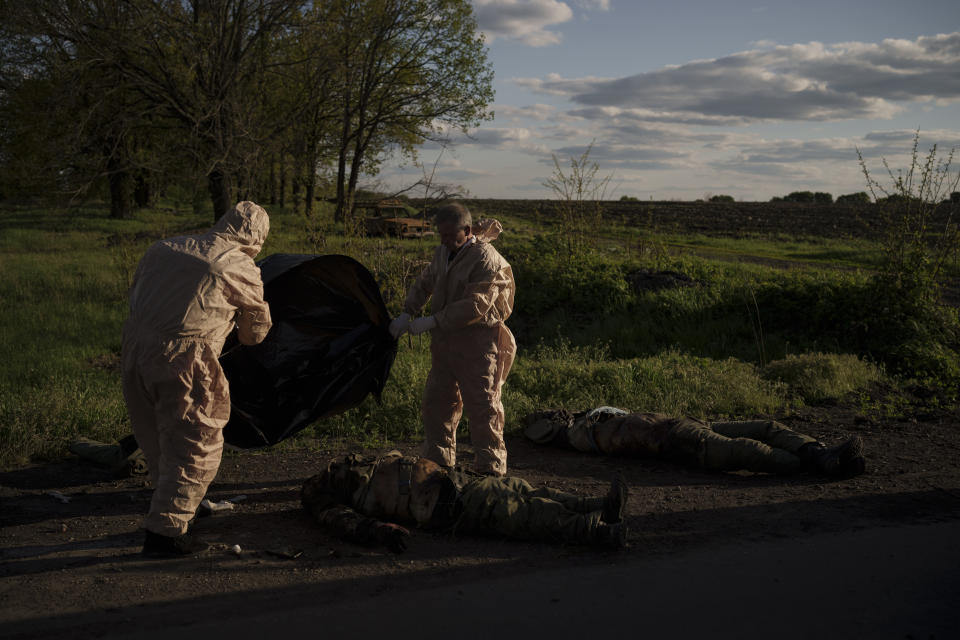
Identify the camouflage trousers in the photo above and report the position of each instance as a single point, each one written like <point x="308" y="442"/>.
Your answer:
<point x="511" y="507"/>
<point x="755" y="445"/>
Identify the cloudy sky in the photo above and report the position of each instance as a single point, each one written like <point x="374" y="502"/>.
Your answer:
<point x="687" y="98"/>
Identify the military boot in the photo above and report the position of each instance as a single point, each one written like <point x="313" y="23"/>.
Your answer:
<point x="157" y="545"/>
<point x="612" y="536"/>
<point x="615" y="501"/>
<point x="843" y="460"/>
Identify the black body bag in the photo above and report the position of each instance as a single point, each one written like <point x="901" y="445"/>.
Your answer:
<point x="328" y="348"/>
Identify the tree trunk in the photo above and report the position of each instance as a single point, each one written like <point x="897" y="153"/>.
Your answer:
<point x="340" y="213"/>
<point x="273" y="181"/>
<point x="141" y="190"/>
<point x="119" y="193"/>
<point x="309" y="193"/>
<point x="355" y="165"/>
<point x="219" y="187"/>
<point x="283" y="180"/>
<point x="310" y="176"/>
<point x="295" y="193"/>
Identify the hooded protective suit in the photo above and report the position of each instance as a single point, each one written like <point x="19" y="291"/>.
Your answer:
<point x="472" y="349"/>
<point x="188" y="293"/>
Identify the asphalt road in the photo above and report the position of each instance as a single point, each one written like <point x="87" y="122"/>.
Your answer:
<point x="890" y="582"/>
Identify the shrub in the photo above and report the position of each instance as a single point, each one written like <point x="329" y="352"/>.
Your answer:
<point x="721" y="197"/>
<point x="800" y="196"/>
<point x="872" y="318"/>
<point x="861" y="197"/>
<point x="822" y="377"/>
<point x="822" y="197"/>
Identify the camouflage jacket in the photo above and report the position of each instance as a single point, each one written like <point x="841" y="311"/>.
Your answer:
<point x="352" y="496"/>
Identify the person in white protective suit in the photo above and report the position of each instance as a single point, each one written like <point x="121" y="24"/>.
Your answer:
<point x="188" y="293"/>
<point x="472" y="349"/>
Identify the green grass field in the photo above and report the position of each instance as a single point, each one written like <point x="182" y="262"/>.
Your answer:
<point x="746" y="339"/>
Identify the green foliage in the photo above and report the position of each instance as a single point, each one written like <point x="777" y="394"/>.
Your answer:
<point x="800" y="196"/>
<point x="579" y="192"/>
<point x="746" y="312"/>
<point x="818" y="197"/>
<point x="869" y="317"/>
<point x="860" y="197"/>
<point x="562" y="375"/>
<point x="721" y="197"/>
<point x="822" y="377"/>
<point x="822" y="197"/>
<point x="626" y="198"/>
<point x="922" y="235"/>
<point x="550" y="282"/>
<point x="105" y="97"/>
<point x="586" y="335"/>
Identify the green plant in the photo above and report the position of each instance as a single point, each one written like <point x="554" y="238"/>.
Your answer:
<point x="579" y="193"/>
<point x="918" y="243"/>
<point x="861" y="197"/>
<point x="821" y="377"/>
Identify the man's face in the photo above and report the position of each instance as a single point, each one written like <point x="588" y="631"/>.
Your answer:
<point x="452" y="236"/>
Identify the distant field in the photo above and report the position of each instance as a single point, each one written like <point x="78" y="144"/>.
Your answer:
<point x="717" y="219"/>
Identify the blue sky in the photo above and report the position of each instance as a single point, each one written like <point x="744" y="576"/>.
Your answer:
<point x="689" y="98"/>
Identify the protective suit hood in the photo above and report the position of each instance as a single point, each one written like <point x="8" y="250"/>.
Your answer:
<point x="247" y="224"/>
<point x="487" y="230"/>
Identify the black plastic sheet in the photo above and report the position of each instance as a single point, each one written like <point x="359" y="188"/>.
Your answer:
<point x="329" y="347"/>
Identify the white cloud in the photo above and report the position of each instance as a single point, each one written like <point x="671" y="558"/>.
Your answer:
<point x="556" y="85"/>
<point x="527" y="21"/>
<point x="602" y="5"/>
<point x="811" y="81"/>
<point x="533" y="111"/>
<point x="830" y="164"/>
<point x="648" y="115"/>
<point x="639" y="157"/>
<point x="493" y="136"/>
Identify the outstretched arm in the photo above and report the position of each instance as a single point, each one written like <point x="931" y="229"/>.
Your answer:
<point x="345" y="523"/>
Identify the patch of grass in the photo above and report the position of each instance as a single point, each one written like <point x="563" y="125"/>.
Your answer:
<point x="586" y="336"/>
<point x="669" y="382"/>
<point x="814" y="251"/>
<point x="817" y="378"/>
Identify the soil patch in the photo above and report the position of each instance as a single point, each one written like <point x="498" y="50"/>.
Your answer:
<point x="79" y="560"/>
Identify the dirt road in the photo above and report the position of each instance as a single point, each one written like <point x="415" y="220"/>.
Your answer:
<point x="873" y="550"/>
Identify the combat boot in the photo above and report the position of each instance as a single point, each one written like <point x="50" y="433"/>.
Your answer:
<point x="843" y="460"/>
<point x="615" y="501"/>
<point x="157" y="545"/>
<point x="612" y="536"/>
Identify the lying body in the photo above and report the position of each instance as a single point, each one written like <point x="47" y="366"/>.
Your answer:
<point x="366" y="499"/>
<point x="755" y="445"/>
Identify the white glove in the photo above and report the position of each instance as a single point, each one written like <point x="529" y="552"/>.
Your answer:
<point x="399" y="325"/>
<point x="420" y="325"/>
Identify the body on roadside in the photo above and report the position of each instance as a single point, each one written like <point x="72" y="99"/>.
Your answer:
<point x="753" y="445"/>
<point x="365" y="499"/>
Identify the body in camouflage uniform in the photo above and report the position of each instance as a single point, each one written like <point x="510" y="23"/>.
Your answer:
<point x="753" y="445"/>
<point x="360" y="499"/>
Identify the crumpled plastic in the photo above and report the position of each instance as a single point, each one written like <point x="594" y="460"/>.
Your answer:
<point x="329" y="348"/>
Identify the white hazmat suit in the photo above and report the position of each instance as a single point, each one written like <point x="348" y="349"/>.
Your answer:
<point x="187" y="295"/>
<point x="472" y="349"/>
